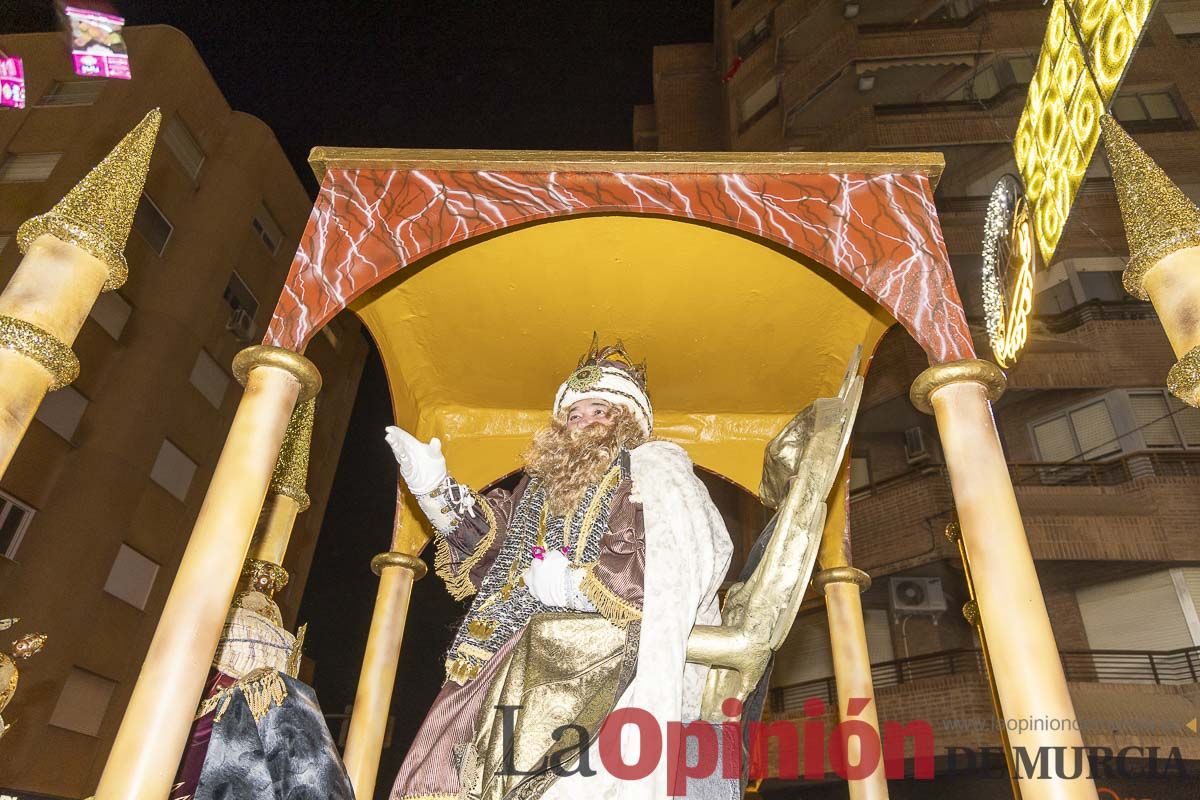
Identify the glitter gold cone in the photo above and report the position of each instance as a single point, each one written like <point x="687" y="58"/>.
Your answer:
<point x="97" y="214"/>
<point x="291" y="470"/>
<point x="1159" y="218"/>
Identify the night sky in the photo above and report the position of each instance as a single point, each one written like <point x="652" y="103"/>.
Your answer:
<point x="500" y="75"/>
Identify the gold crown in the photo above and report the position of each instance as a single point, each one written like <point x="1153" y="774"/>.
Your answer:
<point x="613" y="355"/>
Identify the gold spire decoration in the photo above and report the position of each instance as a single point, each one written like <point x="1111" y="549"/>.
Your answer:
<point x="291" y="469"/>
<point x="97" y="214"/>
<point x="1159" y="218"/>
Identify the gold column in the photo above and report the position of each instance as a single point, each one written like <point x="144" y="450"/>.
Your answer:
<point x="1028" y="674"/>
<point x="154" y="730"/>
<point x="842" y="584"/>
<point x="72" y="253"/>
<point x="397" y="572"/>
<point x="1163" y="229"/>
<point x="970" y="612"/>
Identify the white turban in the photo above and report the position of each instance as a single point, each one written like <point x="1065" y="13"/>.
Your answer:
<point x="606" y="382"/>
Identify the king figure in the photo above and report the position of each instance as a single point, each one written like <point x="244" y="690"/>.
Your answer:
<point x="587" y="580"/>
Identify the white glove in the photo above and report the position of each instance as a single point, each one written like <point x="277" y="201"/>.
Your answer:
<point x="546" y="579"/>
<point x="553" y="581"/>
<point x="422" y="465"/>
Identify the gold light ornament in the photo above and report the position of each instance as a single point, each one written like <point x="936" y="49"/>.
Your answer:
<point x="97" y="214"/>
<point x="1009" y="261"/>
<point x="1087" y="48"/>
<point x="41" y="346"/>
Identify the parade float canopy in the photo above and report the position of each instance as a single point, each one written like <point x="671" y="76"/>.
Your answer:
<point x="744" y="280"/>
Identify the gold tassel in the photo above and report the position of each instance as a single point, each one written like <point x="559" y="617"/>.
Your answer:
<point x="458" y="577"/>
<point x="613" y="608"/>
<point x="264" y="693"/>
<point x="263" y="689"/>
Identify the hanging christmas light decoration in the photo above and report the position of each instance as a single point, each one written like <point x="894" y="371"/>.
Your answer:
<point x="1009" y="261"/>
<point x="1088" y="46"/>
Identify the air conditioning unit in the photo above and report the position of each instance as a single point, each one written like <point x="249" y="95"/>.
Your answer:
<point x="241" y="323"/>
<point x="914" y="446"/>
<point x="916" y="596"/>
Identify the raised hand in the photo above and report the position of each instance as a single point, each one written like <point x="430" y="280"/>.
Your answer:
<point x="421" y="465"/>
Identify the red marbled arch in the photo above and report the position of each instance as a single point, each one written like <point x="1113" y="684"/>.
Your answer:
<point x="880" y="232"/>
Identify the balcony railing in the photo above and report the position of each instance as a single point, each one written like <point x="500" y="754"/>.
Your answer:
<point x="1095" y="311"/>
<point x="1175" y="464"/>
<point x="1162" y="667"/>
<point x="1107" y="473"/>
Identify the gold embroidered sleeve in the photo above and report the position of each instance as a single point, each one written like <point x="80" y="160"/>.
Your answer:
<point x="613" y="583"/>
<point x="453" y="565"/>
<point x="465" y="548"/>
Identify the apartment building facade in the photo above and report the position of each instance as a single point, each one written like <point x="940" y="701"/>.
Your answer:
<point x="97" y="506"/>
<point x="1106" y="464"/>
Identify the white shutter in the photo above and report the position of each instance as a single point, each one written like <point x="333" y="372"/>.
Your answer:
<point x="1054" y="440"/>
<point x="62" y="410"/>
<point x="111" y="312"/>
<point x="1094" y="430"/>
<point x="173" y="470"/>
<point x="1150" y="416"/>
<point x="806" y="654"/>
<point x="1188" y="420"/>
<point x="83" y="702"/>
<point x="1191" y="577"/>
<point x="879" y="635"/>
<point x="131" y="577"/>
<point x="860" y="473"/>
<point x="1183" y="23"/>
<point x="184" y="145"/>
<point x="28" y="167"/>
<point x="72" y="93"/>
<point x="760" y="97"/>
<point x="1139" y="613"/>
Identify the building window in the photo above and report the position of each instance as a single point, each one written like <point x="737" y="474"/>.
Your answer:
<point x="1164" y="421"/>
<point x="14" y="521"/>
<point x="244" y="306"/>
<point x="267" y="229"/>
<point x="1003" y="73"/>
<point x="239" y="296"/>
<point x="173" y="470"/>
<point x="184" y="145"/>
<point x="983" y="85"/>
<point x="860" y="473"/>
<point x="1022" y="69"/>
<point x="751" y="39"/>
<point x="1155" y="611"/>
<point x="1148" y="110"/>
<point x="1086" y="431"/>
<point x="83" y="702"/>
<point x="152" y="224"/>
<point x="1184" y="24"/>
<point x="760" y="101"/>
<point x="111" y="311"/>
<point x="62" y="410"/>
<point x="72" y="93"/>
<point x="209" y="379"/>
<point x="28" y="167"/>
<point x="131" y="577"/>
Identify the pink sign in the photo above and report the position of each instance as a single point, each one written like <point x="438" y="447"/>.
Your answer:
<point x="12" y="83"/>
<point x="97" y="47"/>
